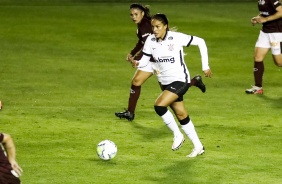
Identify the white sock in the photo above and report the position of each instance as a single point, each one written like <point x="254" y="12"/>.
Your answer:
<point x="190" y="131"/>
<point x="171" y="123"/>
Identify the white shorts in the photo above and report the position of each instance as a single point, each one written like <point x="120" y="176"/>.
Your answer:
<point x="270" y="40"/>
<point x="147" y="68"/>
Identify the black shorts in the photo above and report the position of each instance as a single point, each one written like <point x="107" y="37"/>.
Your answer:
<point x="177" y="87"/>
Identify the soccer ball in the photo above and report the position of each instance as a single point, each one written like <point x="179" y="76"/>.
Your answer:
<point x="106" y="150"/>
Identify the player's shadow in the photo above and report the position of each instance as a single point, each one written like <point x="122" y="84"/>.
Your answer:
<point x="149" y="133"/>
<point x="276" y="102"/>
<point x="177" y="172"/>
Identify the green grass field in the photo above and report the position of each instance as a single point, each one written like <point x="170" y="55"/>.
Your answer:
<point x="63" y="75"/>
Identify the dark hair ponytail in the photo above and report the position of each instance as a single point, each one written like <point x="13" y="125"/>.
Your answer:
<point x="161" y="17"/>
<point x="145" y="9"/>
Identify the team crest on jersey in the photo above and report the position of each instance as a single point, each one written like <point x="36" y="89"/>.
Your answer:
<point x="170" y="38"/>
<point x="261" y="2"/>
<point x="170" y="47"/>
<point x="153" y="39"/>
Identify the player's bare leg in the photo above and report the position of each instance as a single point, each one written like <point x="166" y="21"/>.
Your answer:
<point x="277" y="60"/>
<point x="161" y="104"/>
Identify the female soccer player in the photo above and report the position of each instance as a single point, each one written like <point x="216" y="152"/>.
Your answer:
<point x="270" y="37"/>
<point x="166" y="47"/>
<point x="9" y="168"/>
<point x="141" y="16"/>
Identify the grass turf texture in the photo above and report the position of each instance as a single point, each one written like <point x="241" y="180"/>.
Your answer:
<point x="63" y="75"/>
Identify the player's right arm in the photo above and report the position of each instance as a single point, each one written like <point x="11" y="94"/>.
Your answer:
<point x="147" y="54"/>
<point x="143" y="32"/>
<point x="135" y="50"/>
<point x="262" y="19"/>
<point x="138" y="47"/>
<point x="11" y="152"/>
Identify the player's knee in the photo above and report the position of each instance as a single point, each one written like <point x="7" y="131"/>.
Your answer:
<point x="277" y="60"/>
<point x="137" y="81"/>
<point x="181" y="115"/>
<point x="160" y="110"/>
<point x="279" y="64"/>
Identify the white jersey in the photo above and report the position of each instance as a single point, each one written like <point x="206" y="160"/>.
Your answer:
<point x="169" y="65"/>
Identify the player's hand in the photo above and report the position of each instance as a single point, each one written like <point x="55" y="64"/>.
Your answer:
<point x="17" y="168"/>
<point x="253" y="21"/>
<point x="207" y="73"/>
<point x="129" y="57"/>
<point x="134" y="63"/>
<point x="258" y="20"/>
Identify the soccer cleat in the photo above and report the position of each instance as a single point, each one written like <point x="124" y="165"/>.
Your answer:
<point x="255" y="90"/>
<point x="177" y="142"/>
<point x="200" y="83"/>
<point x="195" y="152"/>
<point x="126" y="114"/>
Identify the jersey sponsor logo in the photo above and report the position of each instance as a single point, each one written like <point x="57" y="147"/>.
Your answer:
<point x="165" y="60"/>
<point x="261" y="2"/>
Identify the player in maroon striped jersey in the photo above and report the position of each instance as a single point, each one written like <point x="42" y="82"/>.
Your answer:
<point x="10" y="171"/>
<point x="141" y="16"/>
<point x="270" y="37"/>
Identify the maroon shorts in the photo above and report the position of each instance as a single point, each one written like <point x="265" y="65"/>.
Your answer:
<point x="9" y="179"/>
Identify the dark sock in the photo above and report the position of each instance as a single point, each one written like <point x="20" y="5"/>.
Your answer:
<point x="185" y="120"/>
<point x="133" y="98"/>
<point x="258" y="73"/>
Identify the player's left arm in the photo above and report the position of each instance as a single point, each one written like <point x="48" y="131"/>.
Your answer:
<point x="277" y="15"/>
<point x="204" y="54"/>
